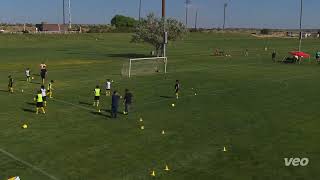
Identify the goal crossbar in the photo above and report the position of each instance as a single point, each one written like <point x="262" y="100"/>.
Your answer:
<point x="151" y="58"/>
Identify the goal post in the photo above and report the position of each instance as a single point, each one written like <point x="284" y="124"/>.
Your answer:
<point x="145" y="66"/>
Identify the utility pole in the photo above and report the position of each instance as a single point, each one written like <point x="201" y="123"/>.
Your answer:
<point x="70" y="19"/>
<point x="164" y="27"/>
<point x="64" y="11"/>
<point x="196" y="21"/>
<point x="300" y="33"/>
<point x="187" y="9"/>
<point x="224" y="15"/>
<point x="140" y="11"/>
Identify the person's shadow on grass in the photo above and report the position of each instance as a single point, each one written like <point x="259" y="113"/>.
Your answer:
<point x="31" y="103"/>
<point x="109" y="111"/>
<point x="2" y="90"/>
<point x="85" y="103"/>
<point x="32" y="82"/>
<point x="167" y="97"/>
<point x="28" y="110"/>
<point x="100" y="114"/>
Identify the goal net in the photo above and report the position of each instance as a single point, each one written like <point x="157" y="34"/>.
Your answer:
<point x="144" y="66"/>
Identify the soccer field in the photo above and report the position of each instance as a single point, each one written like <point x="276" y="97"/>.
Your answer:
<point x="260" y="111"/>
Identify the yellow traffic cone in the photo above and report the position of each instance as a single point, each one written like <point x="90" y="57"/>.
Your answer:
<point x="166" y="168"/>
<point x="153" y="173"/>
<point x="224" y="149"/>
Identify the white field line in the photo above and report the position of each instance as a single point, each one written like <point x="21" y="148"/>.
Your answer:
<point x="28" y="164"/>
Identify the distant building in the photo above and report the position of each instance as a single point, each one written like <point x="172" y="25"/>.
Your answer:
<point x="52" y="27"/>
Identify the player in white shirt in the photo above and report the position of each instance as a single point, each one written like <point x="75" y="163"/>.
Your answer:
<point x="108" y="87"/>
<point x="28" y="72"/>
<point x="44" y="95"/>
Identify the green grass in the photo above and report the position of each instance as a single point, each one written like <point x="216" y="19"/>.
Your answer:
<point x="261" y="111"/>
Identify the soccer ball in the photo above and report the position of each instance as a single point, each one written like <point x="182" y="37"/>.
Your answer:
<point x="32" y="78"/>
<point x="142" y="127"/>
<point x="173" y="105"/>
<point x="24" y="126"/>
<point x="22" y="90"/>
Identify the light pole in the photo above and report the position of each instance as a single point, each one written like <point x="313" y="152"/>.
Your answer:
<point x="70" y="17"/>
<point x="140" y="11"/>
<point x="300" y="33"/>
<point x="187" y="8"/>
<point x="64" y="12"/>
<point x="164" y="27"/>
<point x="196" y="21"/>
<point x="224" y="15"/>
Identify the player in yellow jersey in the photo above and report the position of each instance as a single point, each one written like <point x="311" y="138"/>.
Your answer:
<point x="39" y="102"/>
<point x="97" y="93"/>
<point x="50" y="89"/>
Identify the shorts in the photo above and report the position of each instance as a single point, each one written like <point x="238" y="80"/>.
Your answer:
<point x="44" y="98"/>
<point x="108" y="89"/>
<point x="97" y="98"/>
<point x="177" y="91"/>
<point x="28" y="76"/>
<point x="39" y="104"/>
<point x="43" y="76"/>
<point x="10" y="85"/>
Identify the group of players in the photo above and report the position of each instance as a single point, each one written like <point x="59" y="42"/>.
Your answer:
<point x="41" y="96"/>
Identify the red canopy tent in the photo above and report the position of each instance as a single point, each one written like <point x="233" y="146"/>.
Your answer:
<point x="300" y="54"/>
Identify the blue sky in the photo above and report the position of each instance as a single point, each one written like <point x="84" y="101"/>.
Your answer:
<point x="241" y="13"/>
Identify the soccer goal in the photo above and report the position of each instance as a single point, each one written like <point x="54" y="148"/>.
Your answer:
<point x="145" y="66"/>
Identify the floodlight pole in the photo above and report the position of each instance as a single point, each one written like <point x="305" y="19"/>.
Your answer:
<point x="164" y="26"/>
<point x="140" y="11"/>
<point x="187" y="9"/>
<point x="186" y="14"/>
<point x="224" y="15"/>
<point x="300" y="33"/>
<point x="64" y="12"/>
<point x="70" y="18"/>
<point x="196" y="21"/>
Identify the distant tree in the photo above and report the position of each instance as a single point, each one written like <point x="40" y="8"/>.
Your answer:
<point x="265" y="31"/>
<point x="121" y="21"/>
<point x="99" y="28"/>
<point x="150" y="30"/>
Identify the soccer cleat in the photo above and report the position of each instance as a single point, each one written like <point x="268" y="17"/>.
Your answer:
<point x="224" y="149"/>
<point x="153" y="173"/>
<point x="167" y="168"/>
<point x="14" y="178"/>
